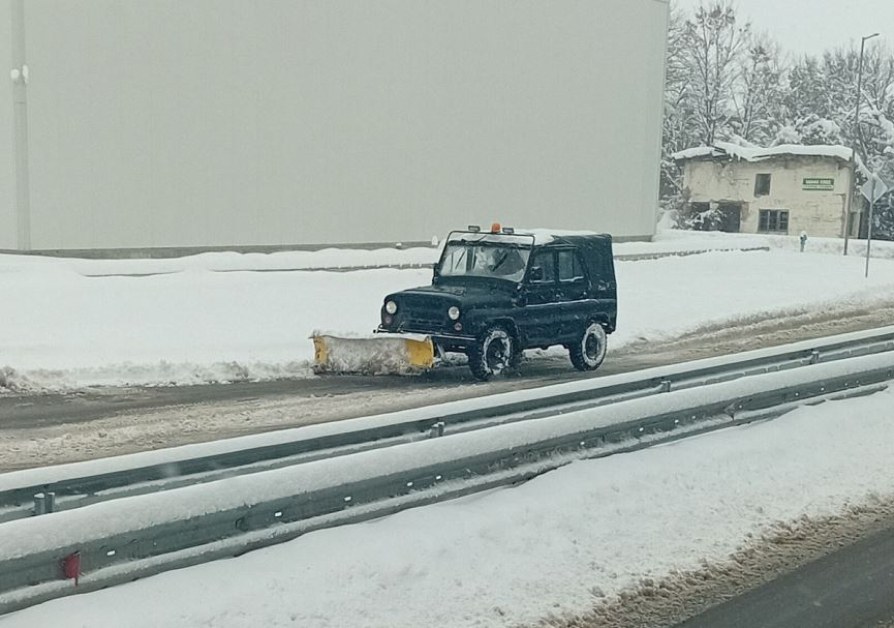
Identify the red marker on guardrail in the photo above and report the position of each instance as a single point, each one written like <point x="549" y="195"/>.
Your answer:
<point x="71" y="567"/>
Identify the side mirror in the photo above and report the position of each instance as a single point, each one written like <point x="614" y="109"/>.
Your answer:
<point x="536" y="273"/>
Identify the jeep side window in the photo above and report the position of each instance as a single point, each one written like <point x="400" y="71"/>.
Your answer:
<point x="547" y="261"/>
<point x="570" y="268"/>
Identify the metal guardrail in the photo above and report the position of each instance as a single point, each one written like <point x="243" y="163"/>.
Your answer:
<point x="74" y="492"/>
<point x="188" y="539"/>
<point x="79" y="491"/>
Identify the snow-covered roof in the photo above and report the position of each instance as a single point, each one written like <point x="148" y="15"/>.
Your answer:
<point x="756" y="153"/>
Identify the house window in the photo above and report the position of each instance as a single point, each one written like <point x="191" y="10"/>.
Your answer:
<point x="773" y="221"/>
<point x="762" y="185"/>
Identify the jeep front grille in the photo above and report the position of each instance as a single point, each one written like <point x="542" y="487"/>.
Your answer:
<point x="423" y="314"/>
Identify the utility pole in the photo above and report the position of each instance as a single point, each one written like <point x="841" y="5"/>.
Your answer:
<point x="857" y="137"/>
<point x="19" y="76"/>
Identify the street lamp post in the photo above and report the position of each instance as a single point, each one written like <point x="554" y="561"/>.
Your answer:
<point x="857" y="136"/>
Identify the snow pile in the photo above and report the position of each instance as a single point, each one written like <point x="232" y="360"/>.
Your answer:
<point x="373" y="354"/>
<point x="229" y="261"/>
<point x="672" y="239"/>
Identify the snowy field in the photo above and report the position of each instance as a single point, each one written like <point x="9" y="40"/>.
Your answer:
<point x="70" y="323"/>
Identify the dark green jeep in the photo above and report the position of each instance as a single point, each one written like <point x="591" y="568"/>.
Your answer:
<point x="496" y="294"/>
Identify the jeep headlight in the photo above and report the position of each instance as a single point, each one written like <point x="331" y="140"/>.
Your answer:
<point x="391" y="307"/>
<point x="453" y="313"/>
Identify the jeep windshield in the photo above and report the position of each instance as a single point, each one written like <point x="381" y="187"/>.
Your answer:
<point x="495" y="256"/>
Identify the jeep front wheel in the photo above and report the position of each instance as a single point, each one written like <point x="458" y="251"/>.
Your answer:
<point x="493" y="353"/>
<point x="589" y="352"/>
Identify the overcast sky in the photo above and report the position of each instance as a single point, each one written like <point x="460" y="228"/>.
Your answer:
<point x="811" y="26"/>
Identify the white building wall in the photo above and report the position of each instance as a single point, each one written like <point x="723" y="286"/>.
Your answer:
<point x="7" y="141"/>
<point x="820" y="213"/>
<point x="280" y="122"/>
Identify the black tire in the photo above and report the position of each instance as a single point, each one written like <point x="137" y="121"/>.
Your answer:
<point x="494" y="353"/>
<point x="588" y="353"/>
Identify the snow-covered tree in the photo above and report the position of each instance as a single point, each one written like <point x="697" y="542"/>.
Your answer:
<point x="717" y="40"/>
<point x="875" y="135"/>
<point x="809" y="112"/>
<point x="810" y="130"/>
<point x="805" y="93"/>
<point x="883" y="218"/>
<point x="758" y="95"/>
<point x="678" y="130"/>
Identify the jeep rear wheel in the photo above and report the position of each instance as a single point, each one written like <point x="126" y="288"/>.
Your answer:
<point x="493" y="353"/>
<point x="589" y="352"/>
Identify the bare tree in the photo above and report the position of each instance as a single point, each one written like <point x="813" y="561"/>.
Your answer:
<point x="875" y="134"/>
<point x="758" y="95"/>
<point x="717" y="45"/>
<point x="679" y="116"/>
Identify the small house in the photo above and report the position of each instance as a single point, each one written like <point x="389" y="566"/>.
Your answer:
<point x="781" y="190"/>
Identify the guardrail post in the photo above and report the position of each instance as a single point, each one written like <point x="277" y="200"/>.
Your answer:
<point x="814" y="356"/>
<point x="665" y="385"/>
<point x="44" y="503"/>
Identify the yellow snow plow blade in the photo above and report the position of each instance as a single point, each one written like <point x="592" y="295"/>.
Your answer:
<point x="377" y="354"/>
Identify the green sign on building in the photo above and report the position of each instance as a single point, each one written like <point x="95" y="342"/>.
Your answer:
<point x="817" y="184"/>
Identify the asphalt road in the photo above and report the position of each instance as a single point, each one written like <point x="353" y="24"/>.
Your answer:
<point x="850" y="588"/>
<point x="36" y="411"/>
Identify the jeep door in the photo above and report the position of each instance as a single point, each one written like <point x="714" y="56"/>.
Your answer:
<point x="574" y="305"/>
<point x="537" y="317"/>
